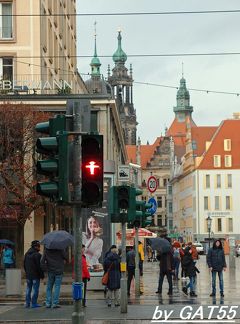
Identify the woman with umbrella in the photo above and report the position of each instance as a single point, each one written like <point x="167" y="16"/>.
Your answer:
<point x="8" y="259"/>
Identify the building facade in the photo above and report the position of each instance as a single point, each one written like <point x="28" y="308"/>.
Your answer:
<point x="38" y="48"/>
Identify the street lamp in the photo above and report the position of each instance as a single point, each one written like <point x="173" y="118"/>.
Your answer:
<point x="209" y="225"/>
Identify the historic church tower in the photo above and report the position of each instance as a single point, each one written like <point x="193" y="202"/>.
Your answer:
<point x="122" y="85"/>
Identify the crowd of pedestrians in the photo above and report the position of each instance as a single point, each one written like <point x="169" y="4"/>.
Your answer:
<point x="186" y="255"/>
<point x="51" y="265"/>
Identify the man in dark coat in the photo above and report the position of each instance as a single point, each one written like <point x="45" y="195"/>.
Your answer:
<point x="54" y="261"/>
<point x="216" y="263"/>
<point x="130" y="268"/>
<point x="112" y="264"/>
<point x="190" y="269"/>
<point x="33" y="274"/>
<point x="166" y="269"/>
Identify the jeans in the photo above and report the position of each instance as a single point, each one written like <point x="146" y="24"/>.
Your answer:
<point x="176" y="264"/>
<point x="191" y="284"/>
<point x="220" y="276"/>
<point x="32" y="284"/>
<point x="53" y="279"/>
<point x="131" y="274"/>
<point x="161" y="278"/>
<point x="84" y="291"/>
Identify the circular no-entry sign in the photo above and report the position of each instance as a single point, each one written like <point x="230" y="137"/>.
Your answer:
<point x="152" y="184"/>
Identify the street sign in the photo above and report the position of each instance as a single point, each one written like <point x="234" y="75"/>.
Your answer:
<point x="123" y="173"/>
<point x="152" y="184"/>
<point x="153" y="209"/>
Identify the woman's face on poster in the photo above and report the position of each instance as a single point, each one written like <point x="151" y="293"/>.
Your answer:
<point x="93" y="225"/>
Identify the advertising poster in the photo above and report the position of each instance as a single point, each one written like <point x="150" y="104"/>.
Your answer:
<point x="97" y="232"/>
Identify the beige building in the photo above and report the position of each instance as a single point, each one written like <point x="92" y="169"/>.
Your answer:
<point x="38" y="48"/>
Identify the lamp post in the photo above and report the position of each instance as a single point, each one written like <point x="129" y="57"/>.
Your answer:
<point x="209" y="225"/>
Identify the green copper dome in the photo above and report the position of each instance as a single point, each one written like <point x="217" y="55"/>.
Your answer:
<point x="119" y="56"/>
<point x="95" y="62"/>
<point x="183" y="93"/>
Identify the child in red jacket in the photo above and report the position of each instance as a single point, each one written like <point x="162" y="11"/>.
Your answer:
<point x="85" y="274"/>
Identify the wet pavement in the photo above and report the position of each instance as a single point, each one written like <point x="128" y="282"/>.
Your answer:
<point x="140" y="310"/>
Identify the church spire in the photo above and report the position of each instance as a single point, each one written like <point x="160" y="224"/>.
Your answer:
<point x="119" y="56"/>
<point x="95" y="62"/>
<point x="183" y="98"/>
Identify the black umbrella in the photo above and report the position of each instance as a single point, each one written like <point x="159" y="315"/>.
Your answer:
<point x="5" y="241"/>
<point x="57" y="240"/>
<point x="160" y="244"/>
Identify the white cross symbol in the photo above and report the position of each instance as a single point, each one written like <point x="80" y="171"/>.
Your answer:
<point x="92" y="167"/>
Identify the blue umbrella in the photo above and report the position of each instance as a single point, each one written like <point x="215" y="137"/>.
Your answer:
<point x="57" y="240"/>
<point x="160" y="244"/>
<point x="5" y="241"/>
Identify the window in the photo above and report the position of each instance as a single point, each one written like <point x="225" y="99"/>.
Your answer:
<point x="169" y="190"/>
<point x="217" y="161"/>
<point x="6" y="69"/>
<point x="170" y="224"/>
<point x="227" y="145"/>
<point x="159" y="221"/>
<point x="165" y="182"/>
<point x="170" y="207"/>
<point x="206" y="204"/>
<point x="217" y="202"/>
<point x="94" y="121"/>
<point x="6" y="25"/>
<point x="230" y="225"/>
<point x="228" y="202"/>
<point x="207" y="181"/>
<point x="218" y="181"/>
<point x="229" y="181"/>
<point x="219" y="225"/>
<point x="228" y="161"/>
<point x="159" y="201"/>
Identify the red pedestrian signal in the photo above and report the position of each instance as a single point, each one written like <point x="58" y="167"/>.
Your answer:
<point x="92" y="170"/>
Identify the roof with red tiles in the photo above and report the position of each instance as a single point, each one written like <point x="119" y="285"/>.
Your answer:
<point x="201" y="135"/>
<point x="146" y="152"/>
<point x="228" y="129"/>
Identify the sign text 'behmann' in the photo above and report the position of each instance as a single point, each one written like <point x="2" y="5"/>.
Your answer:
<point x="33" y="84"/>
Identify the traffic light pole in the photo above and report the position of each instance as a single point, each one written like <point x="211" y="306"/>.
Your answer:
<point x="77" y="315"/>
<point x="123" y="271"/>
<point x="137" y="273"/>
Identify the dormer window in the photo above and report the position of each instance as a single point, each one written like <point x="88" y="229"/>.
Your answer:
<point x="227" y="145"/>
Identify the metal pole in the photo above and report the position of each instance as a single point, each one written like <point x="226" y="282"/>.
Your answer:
<point x="77" y="315"/>
<point x="124" y="273"/>
<point x="209" y="229"/>
<point x="137" y="275"/>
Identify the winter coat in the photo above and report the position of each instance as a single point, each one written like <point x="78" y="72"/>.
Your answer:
<point x="31" y="264"/>
<point x="85" y="272"/>
<point x="131" y="259"/>
<point x="113" y="260"/>
<point x="53" y="260"/>
<point x="188" y="264"/>
<point x="166" y="262"/>
<point x="216" y="259"/>
<point x="8" y="256"/>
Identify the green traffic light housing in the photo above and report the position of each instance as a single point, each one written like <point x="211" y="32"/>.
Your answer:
<point x="56" y="166"/>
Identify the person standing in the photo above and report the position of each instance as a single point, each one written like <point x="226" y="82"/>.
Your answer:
<point x="54" y="261"/>
<point x="85" y="275"/>
<point x="33" y="274"/>
<point x="176" y="261"/>
<point x="217" y="263"/>
<point x="8" y="257"/>
<point x="166" y="269"/>
<point x="141" y="257"/>
<point x="190" y="270"/>
<point x="112" y="264"/>
<point x="130" y="268"/>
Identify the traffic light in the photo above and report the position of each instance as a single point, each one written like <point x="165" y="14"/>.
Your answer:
<point x="92" y="170"/>
<point x="56" y="167"/>
<point x="147" y="216"/>
<point x="119" y="203"/>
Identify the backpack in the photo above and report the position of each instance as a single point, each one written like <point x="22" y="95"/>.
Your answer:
<point x="176" y="254"/>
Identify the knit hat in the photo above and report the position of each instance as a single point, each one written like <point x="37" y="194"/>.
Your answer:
<point x="113" y="247"/>
<point x="35" y="243"/>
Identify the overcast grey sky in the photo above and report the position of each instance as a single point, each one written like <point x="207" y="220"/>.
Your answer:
<point x="162" y="34"/>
